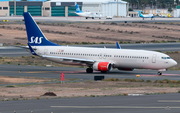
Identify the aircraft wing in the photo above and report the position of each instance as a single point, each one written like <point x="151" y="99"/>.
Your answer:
<point x="87" y="61"/>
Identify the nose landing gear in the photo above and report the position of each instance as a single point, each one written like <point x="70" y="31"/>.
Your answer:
<point x="159" y="73"/>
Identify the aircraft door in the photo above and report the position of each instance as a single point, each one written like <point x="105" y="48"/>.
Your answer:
<point x="154" y="58"/>
<point x="45" y="52"/>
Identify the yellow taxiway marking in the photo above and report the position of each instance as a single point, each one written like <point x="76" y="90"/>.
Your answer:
<point x="120" y="107"/>
<point x="39" y="72"/>
<point x="168" y="100"/>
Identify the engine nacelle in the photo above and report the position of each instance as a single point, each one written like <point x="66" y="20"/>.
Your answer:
<point x="102" y="66"/>
<point x="126" y="69"/>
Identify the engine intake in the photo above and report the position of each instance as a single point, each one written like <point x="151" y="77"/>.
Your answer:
<point x="102" y="66"/>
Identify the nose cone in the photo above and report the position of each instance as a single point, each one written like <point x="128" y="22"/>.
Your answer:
<point x="173" y="63"/>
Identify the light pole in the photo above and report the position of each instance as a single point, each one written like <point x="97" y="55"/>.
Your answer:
<point x="156" y="4"/>
<point x="117" y="8"/>
<point x="14" y="7"/>
<point x="138" y="4"/>
<point x="152" y="4"/>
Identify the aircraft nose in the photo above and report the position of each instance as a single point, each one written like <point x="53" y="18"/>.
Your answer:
<point x="173" y="63"/>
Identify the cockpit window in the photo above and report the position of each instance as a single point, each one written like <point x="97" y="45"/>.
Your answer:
<point x="165" y="57"/>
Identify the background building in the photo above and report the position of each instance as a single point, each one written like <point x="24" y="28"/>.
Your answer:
<point x="8" y="9"/>
<point x="63" y="8"/>
<point x="111" y="8"/>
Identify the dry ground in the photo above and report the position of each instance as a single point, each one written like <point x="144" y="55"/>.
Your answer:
<point x="12" y="80"/>
<point x="94" y="32"/>
<point x="87" y="88"/>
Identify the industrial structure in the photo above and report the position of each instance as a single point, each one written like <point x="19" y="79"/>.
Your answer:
<point x="63" y="9"/>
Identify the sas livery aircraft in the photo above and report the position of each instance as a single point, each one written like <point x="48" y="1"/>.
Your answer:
<point x="146" y="16"/>
<point x="87" y="14"/>
<point x="99" y="59"/>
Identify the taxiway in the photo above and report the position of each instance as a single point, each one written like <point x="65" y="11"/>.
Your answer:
<point x="159" y="103"/>
<point x="80" y="73"/>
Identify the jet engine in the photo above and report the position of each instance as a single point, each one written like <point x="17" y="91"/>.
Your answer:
<point x="102" y="66"/>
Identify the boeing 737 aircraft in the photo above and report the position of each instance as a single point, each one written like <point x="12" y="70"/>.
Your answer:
<point x="87" y="14"/>
<point x="146" y="16"/>
<point x="99" y="59"/>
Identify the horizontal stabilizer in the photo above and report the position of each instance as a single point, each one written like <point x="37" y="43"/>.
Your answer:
<point x="31" y="49"/>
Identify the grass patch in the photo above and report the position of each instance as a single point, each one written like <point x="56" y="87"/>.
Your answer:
<point x="11" y="86"/>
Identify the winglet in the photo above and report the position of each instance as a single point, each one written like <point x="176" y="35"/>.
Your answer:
<point x="118" y="46"/>
<point x="31" y="49"/>
<point x="140" y="14"/>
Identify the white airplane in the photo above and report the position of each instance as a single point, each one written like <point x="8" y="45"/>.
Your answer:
<point x="87" y="14"/>
<point x="146" y="16"/>
<point x="99" y="59"/>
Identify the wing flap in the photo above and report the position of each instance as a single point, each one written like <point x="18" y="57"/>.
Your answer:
<point x="70" y="59"/>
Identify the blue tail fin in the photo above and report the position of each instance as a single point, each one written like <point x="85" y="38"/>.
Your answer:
<point x="140" y="14"/>
<point x="118" y="46"/>
<point x="78" y="9"/>
<point x="34" y="34"/>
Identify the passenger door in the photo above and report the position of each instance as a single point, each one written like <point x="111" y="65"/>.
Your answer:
<point x="154" y="58"/>
<point x="45" y="52"/>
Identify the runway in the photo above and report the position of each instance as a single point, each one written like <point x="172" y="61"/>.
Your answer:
<point x="16" y="51"/>
<point x="83" y="20"/>
<point x="80" y="74"/>
<point x="159" y="103"/>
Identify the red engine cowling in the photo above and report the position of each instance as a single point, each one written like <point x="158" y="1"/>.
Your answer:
<point x="126" y="69"/>
<point x="102" y="66"/>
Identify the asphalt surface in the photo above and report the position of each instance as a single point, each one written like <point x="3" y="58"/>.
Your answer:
<point x="160" y="103"/>
<point x="80" y="73"/>
<point x="16" y="51"/>
<point x="83" y="20"/>
<point x="13" y="52"/>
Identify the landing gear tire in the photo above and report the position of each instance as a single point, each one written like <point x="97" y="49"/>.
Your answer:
<point x="89" y="70"/>
<point x="92" y="17"/>
<point x="86" y="17"/>
<point x="103" y="71"/>
<point x="159" y="73"/>
<point x="99" y="18"/>
<point x="143" y="18"/>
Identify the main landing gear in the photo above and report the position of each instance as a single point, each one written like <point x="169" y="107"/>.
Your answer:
<point x="159" y="73"/>
<point x="89" y="70"/>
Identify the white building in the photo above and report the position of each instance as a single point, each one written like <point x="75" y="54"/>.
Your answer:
<point x="107" y="8"/>
<point x="111" y="8"/>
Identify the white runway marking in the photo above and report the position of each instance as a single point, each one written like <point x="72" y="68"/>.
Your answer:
<point x="120" y="107"/>
<point x="168" y="100"/>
